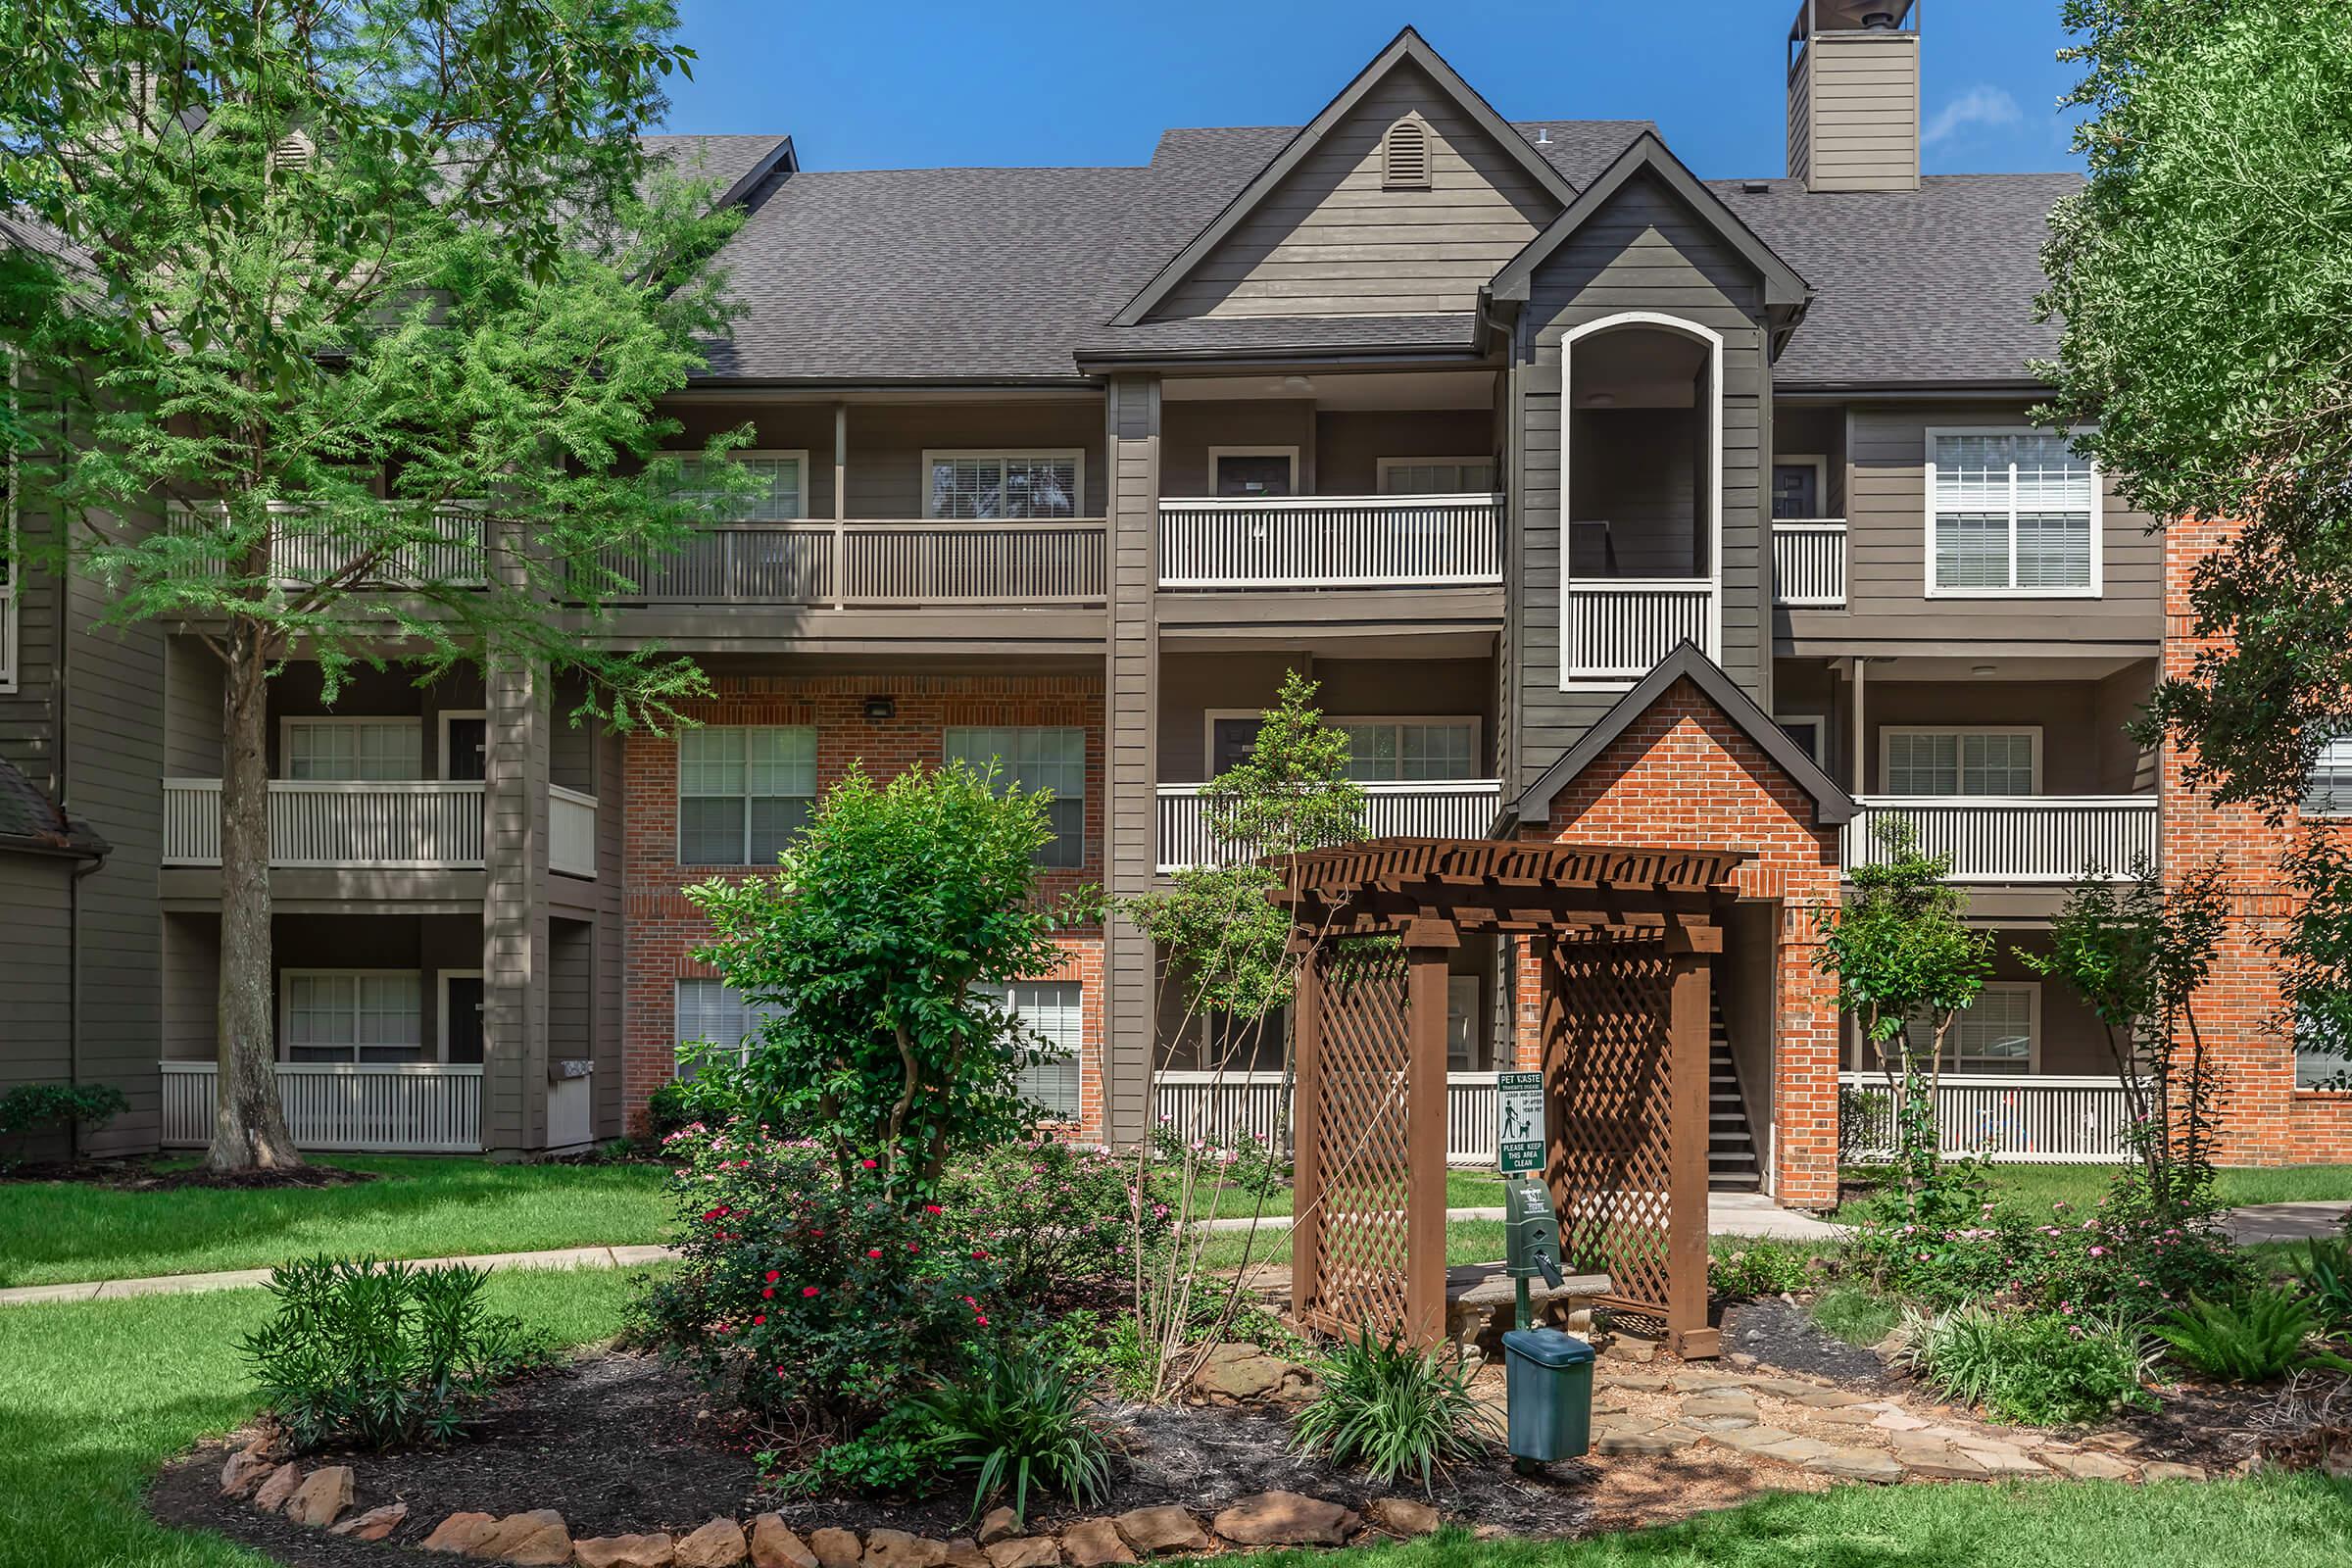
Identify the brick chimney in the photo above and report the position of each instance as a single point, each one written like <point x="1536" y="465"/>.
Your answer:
<point x="1853" y="95"/>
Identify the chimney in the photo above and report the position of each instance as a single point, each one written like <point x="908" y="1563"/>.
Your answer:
<point x="1853" y="95"/>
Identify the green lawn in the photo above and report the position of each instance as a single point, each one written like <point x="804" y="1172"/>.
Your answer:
<point x="1464" y="1189"/>
<point x="2038" y="1185"/>
<point x="1468" y="1241"/>
<point x="56" y="1232"/>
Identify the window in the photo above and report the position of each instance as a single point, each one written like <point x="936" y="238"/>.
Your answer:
<point x="1038" y="759"/>
<point x="2010" y="512"/>
<point x="2321" y="1059"/>
<point x="356" y="1015"/>
<point x="1462" y="1033"/>
<point x="1403" y="750"/>
<point x="2328" y="787"/>
<point x="709" y="1014"/>
<point x="1052" y="1010"/>
<point x="1254" y="470"/>
<point x="743" y="793"/>
<point x="350" y="748"/>
<point x="1994" y="1036"/>
<point x="990" y="485"/>
<point x="1435" y="476"/>
<point x="783" y="497"/>
<point x="1810" y="731"/>
<point x="1973" y="761"/>
<point x="1405" y="161"/>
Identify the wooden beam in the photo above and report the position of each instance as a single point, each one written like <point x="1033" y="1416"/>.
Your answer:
<point x="1306" y="1142"/>
<point x="1688" y="1334"/>
<point x="1425" y="1147"/>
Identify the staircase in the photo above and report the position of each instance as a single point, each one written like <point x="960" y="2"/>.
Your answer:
<point x="1731" y="1166"/>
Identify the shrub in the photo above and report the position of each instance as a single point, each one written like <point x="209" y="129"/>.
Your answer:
<point x="1051" y="1214"/>
<point x="376" y="1354"/>
<point x="891" y="1456"/>
<point x="801" y="1284"/>
<point x="2253" y="1340"/>
<point x="1244" y="1161"/>
<point x="1394" y="1411"/>
<point x="2038" y="1369"/>
<point x="1761" y="1268"/>
<point x="2327" y="1271"/>
<point x="1854" y="1314"/>
<point x="29" y="1108"/>
<point x="711" y="1097"/>
<point x="1015" y="1420"/>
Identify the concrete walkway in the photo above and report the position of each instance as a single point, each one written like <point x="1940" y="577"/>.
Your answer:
<point x="246" y="1278"/>
<point x="1728" y="1214"/>
<point x="2283" y="1223"/>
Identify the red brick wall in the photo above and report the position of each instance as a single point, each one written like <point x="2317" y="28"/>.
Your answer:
<point x="1683" y="776"/>
<point x="663" y="928"/>
<point x="2263" y="1118"/>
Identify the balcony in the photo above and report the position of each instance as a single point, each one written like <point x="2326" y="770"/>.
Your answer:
<point x="1808" y="562"/>
<point x="1436" y="808"/>
<point x="420" y="1108"/>
<point x="404" y="825"/>
<point x="1332" y="542"/>
<point x="448" y="548"/>
<point x="1618" y="628"/>
<point x="2035" y="838"/>
<point x="2033" y="1118"/>
<point x="845" y="566"/>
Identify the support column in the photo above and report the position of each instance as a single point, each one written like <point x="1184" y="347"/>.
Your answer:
<point x="1687" y="1328"/>
<point x="1306" y="1132"/>
<point x="1131" y="815"/>
<point x="1425" y="1146"/>
<point x="515" y="937"/>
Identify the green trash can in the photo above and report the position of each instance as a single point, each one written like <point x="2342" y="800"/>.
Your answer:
<point x="1548" y="1379"/>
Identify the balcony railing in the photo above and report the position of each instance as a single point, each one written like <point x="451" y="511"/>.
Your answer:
<point x="1620" y="627"/>
<point x="450" y="550"/>
<point x="1220" y="1108"/>
<point x="846" y="565"/>
<point x="1808" y="562"/>
<point x="2030" y="838"/>
<point x="1439" y="808"/>
<point x="1331" y="542"/>
<point x="422" y="1107"/>
<point x="423" y="823"/>
<point x="2032" y="1119"/>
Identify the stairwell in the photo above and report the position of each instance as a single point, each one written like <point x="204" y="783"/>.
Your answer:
<point x="1732" y="1163"/>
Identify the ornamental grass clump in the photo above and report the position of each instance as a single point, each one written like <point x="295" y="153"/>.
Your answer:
<point x="1394" y="1411"/>
<point x="1014" y="1418"/>
<point x="2034" y="1370"/>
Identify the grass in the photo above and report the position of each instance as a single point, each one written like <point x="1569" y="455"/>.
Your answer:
<point x="1854" y="1315"/>
<point x="2082" y="1186"/>
<point x="59" y="1231"/>
<point x="1464" y="1189"/>
<point x="1468" y="1241"/>
<point x="94" y="1395"/>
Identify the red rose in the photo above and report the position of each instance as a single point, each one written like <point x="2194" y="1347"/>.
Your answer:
<point x="807" y="1290"/>
<point x="769" y="1295"/>
<point x="759" y="1319"/>
<point x="933" y="1208"/>
<point x="873" y="1252"/>
<point x="868" y="1164"/>
<point x="774" y="1276"/>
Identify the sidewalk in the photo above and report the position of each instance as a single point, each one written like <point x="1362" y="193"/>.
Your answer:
<point x="246" y="1278"/>
<point x="1728" y="1214"/>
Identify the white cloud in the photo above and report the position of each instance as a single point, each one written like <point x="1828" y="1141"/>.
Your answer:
<point x="1981" y="105"/>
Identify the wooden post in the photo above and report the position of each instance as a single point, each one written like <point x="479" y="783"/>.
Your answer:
<point x="1306" y="1142"/>
<point x="840" y="503"/>
<point x="1688" y="1334"/>
<point x="1425" y="1146"/>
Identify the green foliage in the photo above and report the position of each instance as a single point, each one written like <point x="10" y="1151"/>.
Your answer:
<point x="1241" y="1160"/>
<point x="83" y="1108"/>
<point x="892" y="1456"/>
<point x="1014" y="1419"/>
<point x="1760" y="1267"/>
<point x="2038" y="1369"/>
<point x="711" y="1097"/>
<point x="1056" y="1218"/>
<point x="888" y="914"/>
<point x="1855" y="1315"/>
<point x="377" y="1353"/>
<point x="2255" y="1339"/>
<point x="1394" y="1411"/>
<point x="2326" y="1269"/>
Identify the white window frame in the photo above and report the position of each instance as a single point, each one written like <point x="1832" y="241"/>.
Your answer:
<point x="1002" y="996"/>
<point x="441" y="1009"/>
<point x="1076" y="455"/>
<point x="1478" y="733"/>
<point x="2342" y="807"/>
<point x="285" y="742"/>
<point x="1381" y="468"/>
<point x="1217" y="453"/>
<point x="1820" y="721"/>
<point x="285" y="1009"/>
<point x="1820" y="464"/>
<point x="1007" y="769"/>
<point x="1888" y="733"/>
<point x="679" y="795"/>
<point x="441" y="738"/>
<point x="678" y="1043"/>
<point x="2098" y="520"/>
<point x="799" y="500"/>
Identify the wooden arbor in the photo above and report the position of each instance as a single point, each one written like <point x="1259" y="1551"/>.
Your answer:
<point x="1620" y="940"/>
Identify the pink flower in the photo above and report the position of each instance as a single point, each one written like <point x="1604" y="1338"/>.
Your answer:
<point x="2099" y="1251"/>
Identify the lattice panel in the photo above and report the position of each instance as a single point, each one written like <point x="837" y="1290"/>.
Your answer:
<point x="1360" y="1103"/>
<point x="1608" y="1077"/>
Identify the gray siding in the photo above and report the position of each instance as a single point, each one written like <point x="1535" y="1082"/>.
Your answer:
<point x="1132" y="695"/>
<point x="37" y="981"/>
<point x="1860" y="105"/>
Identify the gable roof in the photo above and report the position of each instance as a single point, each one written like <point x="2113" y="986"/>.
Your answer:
<point x="31" y="823"/>
<point x="1830" y="803"/>
<point x="1406" y="47"/>
<point x="738" y="163"/>
<point x="1647" y="154"/>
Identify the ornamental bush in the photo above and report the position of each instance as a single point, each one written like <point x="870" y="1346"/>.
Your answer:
<point x="1056" y="1218"/>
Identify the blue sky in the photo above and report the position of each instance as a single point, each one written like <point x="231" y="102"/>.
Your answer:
<point x="913" y="83"/>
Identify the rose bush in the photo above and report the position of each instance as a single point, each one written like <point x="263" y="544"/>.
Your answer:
<point x="1056" y="1218"/>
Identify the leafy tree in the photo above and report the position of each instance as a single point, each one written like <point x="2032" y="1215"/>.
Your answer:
<point x="1904" y="952"/>
<point x="326" y="278"/>
<point x="873" y="942"/>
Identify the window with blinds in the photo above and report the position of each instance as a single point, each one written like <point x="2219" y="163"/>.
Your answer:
<point x="2328" y="787"/>
<point x="743" y="792"/>
<point x="1398" y="750"/>
<point x="782" y="496"/>
<point x="988" y="486"/>
<point x="2012" y="511"/>
<point x="354" y="1015"/>
<point x="1041" y="760"/>
<point x="1051" y="1011"/>
<point x="712" y="1020"/>
<point x="1436" y="476"/>
<point x="352" y="750"/>
<point x="1993" y="1036"/>
<point x="1990" y="762"/>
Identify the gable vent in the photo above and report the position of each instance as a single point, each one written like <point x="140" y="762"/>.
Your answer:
<point x="1404" y="155"/>
<point x="292" y="150"/>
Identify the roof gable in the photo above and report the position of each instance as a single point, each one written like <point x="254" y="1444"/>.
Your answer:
<point x="1409" y="65"/>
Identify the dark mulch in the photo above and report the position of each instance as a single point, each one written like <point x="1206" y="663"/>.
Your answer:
<point x="624" y="1443"/>
<point x="2199" y="1423"/>
<point x="104" y="1172"/>
<point x="1785" y="1337"/>
<point x="300" y="1176"/>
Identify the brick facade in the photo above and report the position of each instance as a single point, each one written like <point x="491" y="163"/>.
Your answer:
<point x="2263" y="1118"/>
<point x="664" y="929"/>
<point x="1684" y="776"/>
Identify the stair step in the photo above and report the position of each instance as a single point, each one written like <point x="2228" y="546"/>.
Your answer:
<point x="1730" y="1156"/>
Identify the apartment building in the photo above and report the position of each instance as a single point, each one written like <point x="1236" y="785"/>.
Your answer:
<point x="1602" y="501"/>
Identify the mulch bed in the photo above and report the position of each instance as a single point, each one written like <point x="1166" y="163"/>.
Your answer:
<point x="1787" y="1338"/>
<point x="138" y="1176"/>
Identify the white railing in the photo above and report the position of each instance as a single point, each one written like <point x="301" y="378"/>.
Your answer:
<point x="426" y="1107"/>
<point x="449" y="550"/>
<point x="1331" y="542"/>
<point x="2024" y="838"/>
<point x="845" y="565"/>
<point x="1215" y="1106"/>
<point x="409" y="822"/>
<point x="2030" y="1120"/>
<point x="570" y="832"/>
<point x="1620" y="627"/>
<point x="1808" y="562"/>
<point x="1455" y="809"/>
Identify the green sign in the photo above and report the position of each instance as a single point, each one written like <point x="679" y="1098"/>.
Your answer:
<point x="1519" y="1122"/>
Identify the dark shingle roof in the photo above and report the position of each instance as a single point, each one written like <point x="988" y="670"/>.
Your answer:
<point x="30" y="820"/>
<point x="724" y="158"/>
<point x="1275" y="333"/>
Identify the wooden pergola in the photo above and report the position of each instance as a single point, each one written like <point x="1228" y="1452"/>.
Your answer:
<point x="1620" y="940"/>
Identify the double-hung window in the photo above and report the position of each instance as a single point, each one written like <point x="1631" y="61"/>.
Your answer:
<point x="2010" y="512"/>
<point x="986" y="486"/>
<point x="1041" y="760"/>
<point x="782" y="496"/>
<point x="1406" y="750"/>
<point x="1993" y="1035"/>
<point x="355" y="1015"/>
<point x="2328" y="787"/>
<point x="1966" y="761"/>
<point x="743" y="792"/>
<point x="2321" y="1061"/>
<point x="712" y="1020"/>
<point x="348" y="749"/>
<point x="1048" y="1012"/>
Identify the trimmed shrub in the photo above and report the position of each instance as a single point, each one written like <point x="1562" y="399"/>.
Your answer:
<point x="2038" y="1369"/>
<point x="709" y="1099"/>
<point x="1394" y="1411"/>
<point x="29" y="1108"/>
<point x="1013" y="1420"/>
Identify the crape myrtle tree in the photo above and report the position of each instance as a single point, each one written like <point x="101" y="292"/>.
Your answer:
<point x="326" y="283"/>
<point x="2204" y="281"/>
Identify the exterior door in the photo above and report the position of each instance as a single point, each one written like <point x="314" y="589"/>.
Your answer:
<point x="469" y="735"/>
<point x="462" y="996"/>
<point x="1254" y="474"/>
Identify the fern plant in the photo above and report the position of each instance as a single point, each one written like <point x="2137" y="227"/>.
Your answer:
<point x="2326" y="1270"/>
<point x="1394" y="1412"/>
<point x="2254" y="1340"/>
<point x="1016" y="1421"/>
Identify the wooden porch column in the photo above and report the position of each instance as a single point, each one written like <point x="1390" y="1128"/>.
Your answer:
<point x="1425" y="1145"/>
<point x="1688" y="1334"/>
<point x="1306" y="1142"/>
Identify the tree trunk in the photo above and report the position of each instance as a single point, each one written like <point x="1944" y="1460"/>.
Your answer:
<point x="249" y="1124"/>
